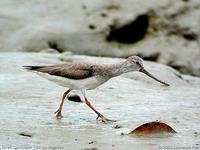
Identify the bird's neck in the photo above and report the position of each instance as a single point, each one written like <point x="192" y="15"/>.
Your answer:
<point x="120" y="68"/>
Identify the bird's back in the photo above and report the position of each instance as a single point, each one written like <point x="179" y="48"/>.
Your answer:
<point x="68" y="70"/>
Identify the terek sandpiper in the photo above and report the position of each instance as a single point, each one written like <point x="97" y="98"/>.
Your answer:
<point x="86" y="76"/>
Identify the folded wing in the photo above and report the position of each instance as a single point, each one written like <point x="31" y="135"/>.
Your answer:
<point x="68" y="70"/>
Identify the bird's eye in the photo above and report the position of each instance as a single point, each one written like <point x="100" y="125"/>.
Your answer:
<point x="137" y="63"/>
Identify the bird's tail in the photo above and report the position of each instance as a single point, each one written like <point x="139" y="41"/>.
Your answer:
<point x="32" y="67"/>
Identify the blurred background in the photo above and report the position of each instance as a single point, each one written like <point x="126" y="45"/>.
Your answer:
<point x="164" y="31"/>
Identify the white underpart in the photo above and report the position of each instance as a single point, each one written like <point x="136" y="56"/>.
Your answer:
<point x="88" y="83"/>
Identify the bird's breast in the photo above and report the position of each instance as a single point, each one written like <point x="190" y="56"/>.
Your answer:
<point x="93" y="82"/>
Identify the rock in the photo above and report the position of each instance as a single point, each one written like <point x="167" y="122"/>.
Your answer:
<point x="28" y="103"/>
<point x="49" y="50"/>
<point x="166" y="31"/>
<point x="74" y="98"/>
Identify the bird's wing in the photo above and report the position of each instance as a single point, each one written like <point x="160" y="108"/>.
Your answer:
<point x="67" y="70"/>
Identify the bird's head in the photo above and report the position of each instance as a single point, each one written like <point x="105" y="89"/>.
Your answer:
<point x="135" y="63"/>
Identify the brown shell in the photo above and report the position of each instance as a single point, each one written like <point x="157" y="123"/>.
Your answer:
<point x="153" y="127"/>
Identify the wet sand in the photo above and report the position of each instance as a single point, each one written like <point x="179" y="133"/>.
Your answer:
<point x="28" y="102"/>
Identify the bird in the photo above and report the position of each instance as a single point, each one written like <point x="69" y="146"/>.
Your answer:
<point x="85" y="76"/>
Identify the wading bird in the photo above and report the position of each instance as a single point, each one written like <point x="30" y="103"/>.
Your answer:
<point x="86" y="76"/>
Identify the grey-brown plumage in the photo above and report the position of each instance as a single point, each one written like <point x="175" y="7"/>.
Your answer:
<point x="68" y="70"/>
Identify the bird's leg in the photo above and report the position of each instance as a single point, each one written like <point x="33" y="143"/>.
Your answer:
<point x="58" y="112"/>
<point x="104" y="119"/>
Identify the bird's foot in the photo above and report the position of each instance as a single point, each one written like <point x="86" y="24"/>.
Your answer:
<point x="58" y="114"/>
<point x="104" y="119"/>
